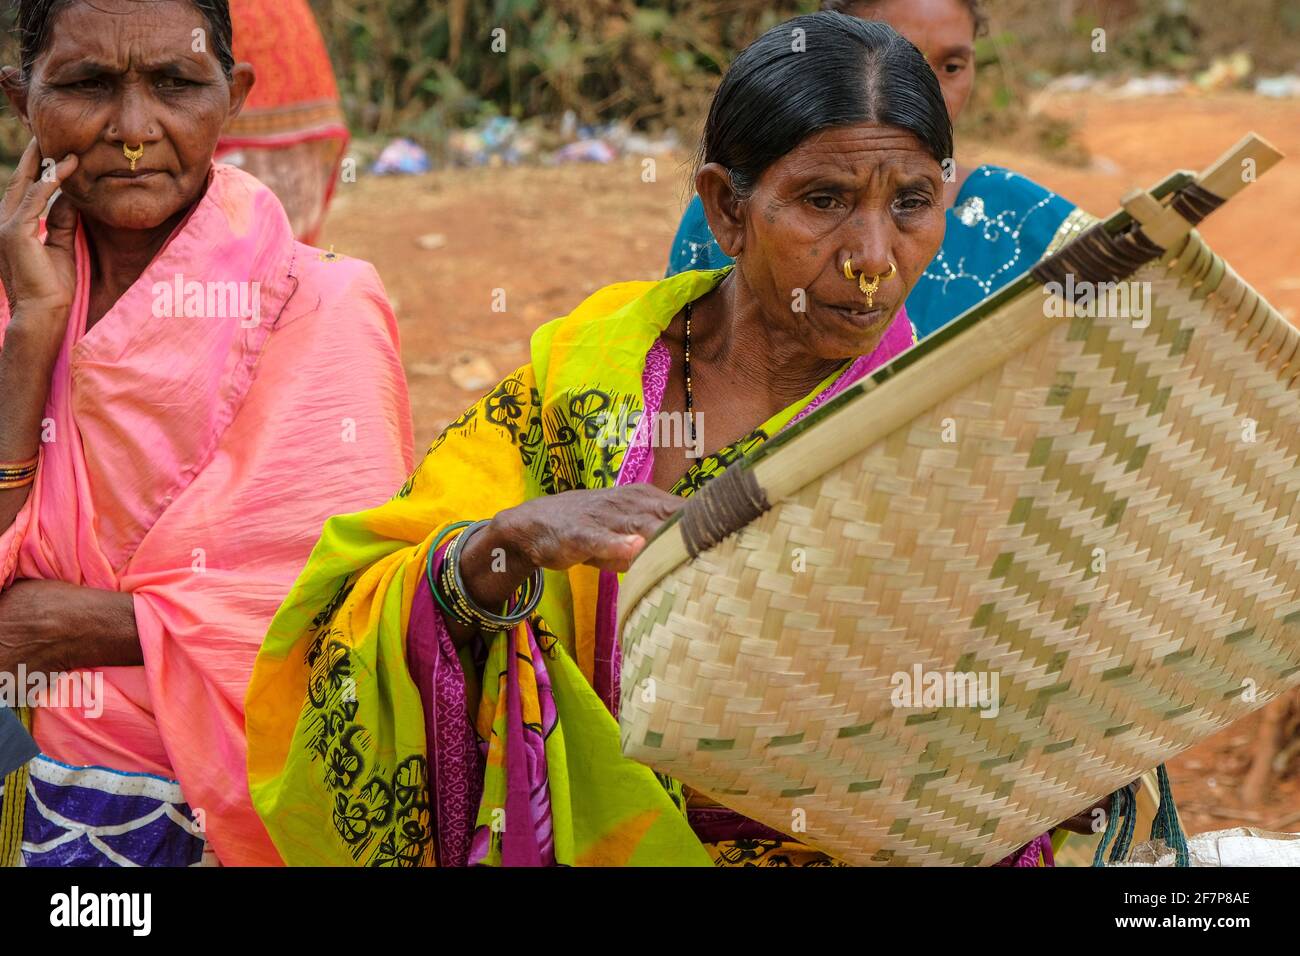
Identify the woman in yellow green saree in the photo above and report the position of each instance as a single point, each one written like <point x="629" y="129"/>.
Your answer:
<point x="440" y="686"/>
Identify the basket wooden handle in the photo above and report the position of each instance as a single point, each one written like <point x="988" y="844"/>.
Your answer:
<point x="1239" y="167"/>
<point x="1228" y="175"/>
<point x="1100" y="256"/>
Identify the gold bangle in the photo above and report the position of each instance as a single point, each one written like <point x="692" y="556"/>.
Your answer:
<point x="18" y="474"/>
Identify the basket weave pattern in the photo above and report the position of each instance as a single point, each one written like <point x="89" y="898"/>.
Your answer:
<point x="1112" y="532"/>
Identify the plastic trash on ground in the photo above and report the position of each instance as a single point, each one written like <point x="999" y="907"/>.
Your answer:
<point x="402" y="157"/>
<point x="586" y="151"/>
<point x="1278" y="87"/>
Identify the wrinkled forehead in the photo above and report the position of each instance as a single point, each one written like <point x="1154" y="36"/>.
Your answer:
<point x="862" y="148"/>
<point x="125" y="34"/>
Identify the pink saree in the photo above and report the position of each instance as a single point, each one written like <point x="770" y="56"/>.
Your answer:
<point x="191" y="462"/>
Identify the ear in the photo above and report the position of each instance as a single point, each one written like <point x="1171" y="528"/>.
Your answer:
<point x="11" y="80"/>
<point x="722" y="208"/>
<point x="242" y="79"/>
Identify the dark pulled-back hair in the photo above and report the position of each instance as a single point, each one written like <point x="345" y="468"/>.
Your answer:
<point x="842" y="71"/>
<point x="848" y="6"/>
<point x="36" y="17"/>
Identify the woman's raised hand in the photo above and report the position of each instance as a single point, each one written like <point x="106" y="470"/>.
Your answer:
<point x="605" y="529"/>
<point x="39" y="277"/>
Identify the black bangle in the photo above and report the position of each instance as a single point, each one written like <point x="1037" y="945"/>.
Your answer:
<point x="433" y="553"/>
<point x="466" y="611"/>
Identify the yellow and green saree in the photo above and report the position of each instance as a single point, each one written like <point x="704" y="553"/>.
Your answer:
<point x="372" y="740"/>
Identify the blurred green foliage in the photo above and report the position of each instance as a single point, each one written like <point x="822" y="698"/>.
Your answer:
<point x="421" y="67"/>
<point x="1050" y="37"/>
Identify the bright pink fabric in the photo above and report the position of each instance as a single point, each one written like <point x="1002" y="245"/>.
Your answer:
<point x="192" y="464"/>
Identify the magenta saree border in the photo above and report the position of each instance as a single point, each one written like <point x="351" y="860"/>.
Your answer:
<point x="638" y="461"/>
<point x="454" y="759"/>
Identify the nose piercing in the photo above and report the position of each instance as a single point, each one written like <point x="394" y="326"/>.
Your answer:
<point x="133" y="154"/>
<point x="870" y="286"/>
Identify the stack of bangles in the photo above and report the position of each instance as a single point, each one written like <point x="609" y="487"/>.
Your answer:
<point x="18" y="474"/>
<point x="449" y="590"/>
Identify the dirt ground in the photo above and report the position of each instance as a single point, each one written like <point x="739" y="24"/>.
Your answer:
<point x="549" y="236"/>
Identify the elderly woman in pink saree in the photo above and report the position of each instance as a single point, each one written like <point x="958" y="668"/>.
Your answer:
<point x="188" y="395"/>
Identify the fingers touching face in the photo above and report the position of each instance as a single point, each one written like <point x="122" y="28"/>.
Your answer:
<point x="118" y="75"/>
<point x="34" y="183"/>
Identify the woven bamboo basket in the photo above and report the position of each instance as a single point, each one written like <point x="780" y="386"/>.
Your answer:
<point x="1096" y="516"/>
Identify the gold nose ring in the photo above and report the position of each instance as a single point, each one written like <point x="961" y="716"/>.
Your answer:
<point x="133" y="154"/>
<point x="869" y="288"/>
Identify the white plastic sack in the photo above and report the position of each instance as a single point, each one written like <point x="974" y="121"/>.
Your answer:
<point x="1239" y="846"/>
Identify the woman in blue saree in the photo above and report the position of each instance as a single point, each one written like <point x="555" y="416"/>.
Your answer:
<point x="999" y="222"/>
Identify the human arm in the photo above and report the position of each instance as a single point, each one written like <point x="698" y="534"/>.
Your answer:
<point x="605" y="529"/>
<point x="53" y="627"/>
<point x="39" y="281"/>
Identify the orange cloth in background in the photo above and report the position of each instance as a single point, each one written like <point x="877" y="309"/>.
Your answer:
<point x="291" y="133"/>
<point x="284" y="44"/>
<point x="192" y="463"/>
